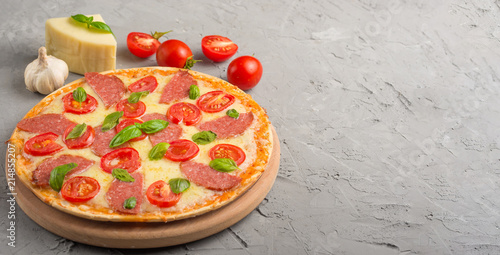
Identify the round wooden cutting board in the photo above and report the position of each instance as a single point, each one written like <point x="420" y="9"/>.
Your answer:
<point x="149" y="235"/>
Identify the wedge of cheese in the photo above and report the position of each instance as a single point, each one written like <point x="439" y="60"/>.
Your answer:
<point x="83" y="49"/>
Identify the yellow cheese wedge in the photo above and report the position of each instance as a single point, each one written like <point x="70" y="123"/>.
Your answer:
<point x="83" y="49"/>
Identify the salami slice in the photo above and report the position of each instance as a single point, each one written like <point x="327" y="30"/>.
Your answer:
<point x="109" y="87"/>
<point x="205" y="176"/>
<point x="100" y="147"/>
<point x="178" y="87"/>
<point x="50" y="122"/>
<point x="119" y="191"/>
<point x="226" y="126"/>
<point x="41" y="174"/>
<point x="170" y="133"/>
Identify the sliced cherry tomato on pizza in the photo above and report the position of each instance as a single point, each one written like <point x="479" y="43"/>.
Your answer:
<point x="80" y="189"/>
<point x="73" y="106"/>
<point x="127" y="122"/>
<point x="218" y="48"/>
<point x="160" y="194"/>
<point x="143" y="45"/>
<point x="42" y="145"/>
<point x="173" y="53"/>
<point x="215" y="101"/>
<point x="124" y="158"/>
<point x="184" y="112"/>
<point x="84" y="141"/>
<point x="131" y="110"/>
<point x="224" y="150"/>
<point x="244" y="72"/>
<point x="148" y="83"/>
<point x="182" y="150"/>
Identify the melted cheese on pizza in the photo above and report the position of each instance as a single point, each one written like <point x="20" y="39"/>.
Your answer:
<point x="151" y="170"/>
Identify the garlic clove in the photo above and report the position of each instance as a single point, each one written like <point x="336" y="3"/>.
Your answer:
<point x="46" y="73"/>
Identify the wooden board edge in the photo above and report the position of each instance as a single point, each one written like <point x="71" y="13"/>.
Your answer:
<point x="149" y="235"/>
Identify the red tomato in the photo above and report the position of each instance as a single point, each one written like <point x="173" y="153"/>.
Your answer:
<point x="81" y="142"/>
<point x="215" y="101"/>
<point x="227" y="151"/>
<point x="182" y="150"/>
<point x="185" y="112"/>
<point x="173" y="53"/>
<point x="160" y="194"/>
<point x="42" y="145"/>
<point x="148" y="83"/>
<point x="244" y="72"/>
<point x="127" y="122"/>
<point x="80" y="189"/>
<point x="131" y="110"/>
<point x="124" y="158"/>
<point x="143" y="45"/>
<point x="218" y="48"/>
<point x="73" y="106"/>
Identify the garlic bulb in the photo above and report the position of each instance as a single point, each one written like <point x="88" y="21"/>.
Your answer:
<point x="46" y="73"/>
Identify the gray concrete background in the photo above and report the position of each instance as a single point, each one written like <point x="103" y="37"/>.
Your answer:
<point x="387" y="113"/>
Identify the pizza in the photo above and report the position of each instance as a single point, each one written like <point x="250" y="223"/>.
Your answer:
<point x="146" y="144"/>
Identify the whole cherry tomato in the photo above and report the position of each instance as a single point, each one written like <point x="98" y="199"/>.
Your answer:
<point x="173" y="53"/>
<point x="244" y="72"/>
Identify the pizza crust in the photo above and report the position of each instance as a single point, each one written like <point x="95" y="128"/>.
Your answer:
<point x="262" y="136"/>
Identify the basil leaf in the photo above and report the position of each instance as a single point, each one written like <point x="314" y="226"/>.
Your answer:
<point x="123" y="136"/>
<point x="82" y="18"/>
<point x="57" y="174"/>
<point x="158" y="151"/>
<point x="152" y="126"/>
<point x="130" y="203"/>
<point x="223" y="164"/>
<point x="77" y="131"/>
<point x="102" y="26"/>
<point x="233" y="113"/>
<point x="111" y="121"/>
<point x="79" y="94"/>
<point x="194" y="92"/>
<point x="204" y="137"/>
<point x="178" y="185"/>
<point x="134" y="97"/>
<point x="90" y="22"/>
<point x="122" y="175"/>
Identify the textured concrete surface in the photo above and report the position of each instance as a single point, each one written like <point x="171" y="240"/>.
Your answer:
<point x="387" y="112"/>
